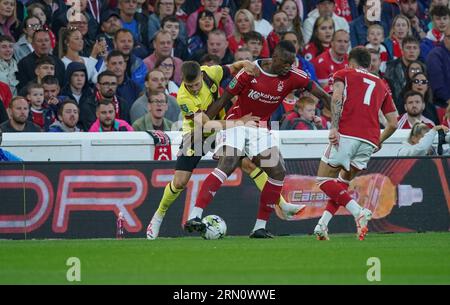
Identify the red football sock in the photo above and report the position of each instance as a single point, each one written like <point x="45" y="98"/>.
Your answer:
<point x="270" y="196"/>
<point x="209" y="188"/>
<point x="336" y="191"/>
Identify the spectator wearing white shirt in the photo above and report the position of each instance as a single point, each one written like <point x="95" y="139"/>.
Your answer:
<point x="70" y="46"/>
<point x="324" y="8"/>
<point x="420" y="141"/>
<point x="262" y="26"/>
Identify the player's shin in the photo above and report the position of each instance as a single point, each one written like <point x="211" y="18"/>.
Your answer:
<point x="170" y="195"/>
<point x="337" y="191"/>
<point x="329" y="212"/>
<point x="209" y="188"/>
<point x="269" y="198"/>
<point x="260" y="177"/>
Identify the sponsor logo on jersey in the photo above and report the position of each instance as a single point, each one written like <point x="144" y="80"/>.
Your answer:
<point x="233" y="83"/>
<point x="263" y="97"/>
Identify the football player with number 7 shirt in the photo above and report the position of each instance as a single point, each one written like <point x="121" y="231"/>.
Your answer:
<point x="260" y="96"/>
<point x="357" y="98"/>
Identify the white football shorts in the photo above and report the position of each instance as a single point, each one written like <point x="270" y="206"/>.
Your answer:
<point x="350" y="152"/>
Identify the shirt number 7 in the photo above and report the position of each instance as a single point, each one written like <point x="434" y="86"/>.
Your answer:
<point x="369" y="90"/>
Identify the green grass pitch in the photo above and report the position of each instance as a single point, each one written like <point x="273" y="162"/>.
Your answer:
<point x="404" y="259"/>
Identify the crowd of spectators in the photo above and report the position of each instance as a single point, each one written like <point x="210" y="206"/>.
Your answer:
<point x="114" y="65"/>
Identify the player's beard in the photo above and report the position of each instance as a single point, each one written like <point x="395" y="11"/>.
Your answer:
<point x="414" y="112"/>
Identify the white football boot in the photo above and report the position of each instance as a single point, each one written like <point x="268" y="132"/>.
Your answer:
<point x="361" y="223"/>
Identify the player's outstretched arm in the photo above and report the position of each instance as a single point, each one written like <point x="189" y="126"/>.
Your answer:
<point x="215" y="107"/>
<point x="391" y="126"/>
<point x="318" y="92"/>
<point x="247" y="65"/>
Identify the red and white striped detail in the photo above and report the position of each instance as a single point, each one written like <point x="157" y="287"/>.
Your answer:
<point x="219" y="175"/>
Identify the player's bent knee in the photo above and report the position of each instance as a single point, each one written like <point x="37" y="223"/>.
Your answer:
<point x="228" y="164"/>
<point x="278" y="172"/>
<point x="180" y="180"/>
<point x="247" y="166"/>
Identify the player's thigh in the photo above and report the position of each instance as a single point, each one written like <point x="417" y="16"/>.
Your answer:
<point x="342" y="155"/>
<point x="348" y="176"/>
<point x="261" y="141"/>
<point x="362" y="156"/>
<point x="326" y="170"/>
<point x="229" y="139"/>
<point x="187" y="163"/>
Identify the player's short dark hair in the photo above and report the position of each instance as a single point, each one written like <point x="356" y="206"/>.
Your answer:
<point x="410" y="93"/>
<point x="299" y="36"/>
<point x="50" y="80"/>
<point x="122" y="30"/>
<point x="6" y="38"/>
<point x="440" y="11"/>
<point x="286" y="46"/>
<point x="209" y="57"/>
<point x="64" y="103"/>
<point x="253" y="35"/>
<point x="361" y="56"/>
<point x="114" y="53"/>
<point x="170" y="18"/>
<point x="190" y="71"/>
<point x="14" y="99"/>
<point x="105" y="73"/>
<point x="44" y="60"/>
<point x="33" y="85"/>
<point x="410" y="39"/>
<point x="41" y="30"/>
<point x="103" y="102"/>
<point x="278" y="12"/>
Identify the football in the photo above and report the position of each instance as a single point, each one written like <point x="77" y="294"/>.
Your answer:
<point x="216" y="227"/>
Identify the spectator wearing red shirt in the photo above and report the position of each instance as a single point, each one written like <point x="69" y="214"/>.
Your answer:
<point x="244" y="24"/>
<point x="333" y="60"/>
<point x="321" y="38"/>
<point x="414" y="106"/>
<point x="307" y="118"/>
<point x="280" y="22"/>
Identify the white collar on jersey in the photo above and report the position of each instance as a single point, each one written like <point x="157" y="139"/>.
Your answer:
<point x="262" y="70"/>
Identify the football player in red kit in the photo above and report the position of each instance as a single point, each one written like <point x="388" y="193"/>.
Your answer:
<point x="259" y="96"/>
<point x="358" y="96"/>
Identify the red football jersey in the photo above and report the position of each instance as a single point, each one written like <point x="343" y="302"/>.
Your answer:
<point x="37" y="116"/>
<point x="365" y="94"/>
<point x="325" y="66"/>
<point x="403" y="122"/>
<point x="261" y="95"/>
<point x="311" y="51"/>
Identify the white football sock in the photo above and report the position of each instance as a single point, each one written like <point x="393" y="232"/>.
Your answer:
<point x="196" y="212"/>
<point x="325" y="219"/>
<point x="260" y="224"/>
<point x="157" y="217"/>
<point x="353" y="208"/>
